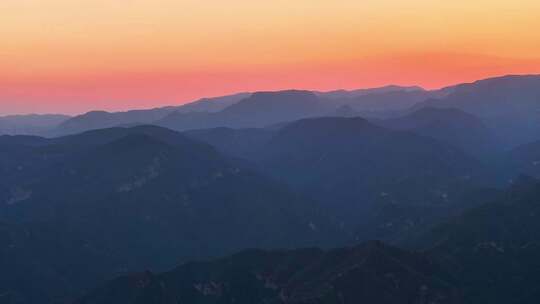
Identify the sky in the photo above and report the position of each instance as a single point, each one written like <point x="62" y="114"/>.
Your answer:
<point x="71" y="56"/>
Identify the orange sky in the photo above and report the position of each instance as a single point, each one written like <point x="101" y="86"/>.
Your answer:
<point x="75" y="55"/>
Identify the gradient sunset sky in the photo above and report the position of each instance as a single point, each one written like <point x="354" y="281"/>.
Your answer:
<point x="72" y="56"/>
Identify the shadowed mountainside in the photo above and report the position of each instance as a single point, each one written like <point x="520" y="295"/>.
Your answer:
<point x="368" y="273"/>
<point x="452" y="126"/>
<point x="120" y="199"/>
<point x="486" y="255"/>
<point x="510" y="105"/>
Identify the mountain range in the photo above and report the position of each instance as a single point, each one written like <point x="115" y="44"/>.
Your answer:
<point x="486" y="255"/>
<point x="123" y="198"/>
<point x="450" y="125"/>
<point x="507" y="105"/>
<point x="510" y="105"/>
<point x="30" y="124"/>
<point x="367" y="273"/>
<point x="163" y="205"/>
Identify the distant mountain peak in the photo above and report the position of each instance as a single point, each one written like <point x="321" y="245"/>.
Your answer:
<point x="276" y="97"/>
<point x="509" y="77"/>
<point x="342" y="93"/>
<point x="290" y="92"/>
<point x="97" y="112"/>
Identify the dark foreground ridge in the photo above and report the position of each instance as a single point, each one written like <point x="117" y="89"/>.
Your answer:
<point x="487" y="255"/>
<point x="368" y="273"/>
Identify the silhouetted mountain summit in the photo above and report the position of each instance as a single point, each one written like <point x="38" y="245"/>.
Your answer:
<point x="258" y="110"/>
<point x="340" y="94"/>
<point x="343" y="142"/>
<point x="212" y="104"/>
<point x="362" y="172"/>
<point x="494" y="97"/>
<point x="357" y="168"/>
<point x="264" y="108"/>
<point x="382" y="102"/>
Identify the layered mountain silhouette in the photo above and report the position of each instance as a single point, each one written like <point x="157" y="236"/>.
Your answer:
<point x="452" y="126"/>
<point x="120" y="199"/>
<point x="381" y="101"/>
<point x="509" y="104"/>
<point x="266" y="108"/>
<point x="125" y="196"/>
<point x="259" y="110"/>
<point x="493" y="96"/>
<point x="101" y="119"/>
<point x="213" y="104"/>
<point x="486" y="255"/>
<point x="30" y="124"/>
<point x="251" y="110"/>
<point x="343" y="94"/>
<point x="358" y="168"/>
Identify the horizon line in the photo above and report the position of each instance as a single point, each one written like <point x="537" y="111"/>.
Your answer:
<point x="278" y="90"/>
